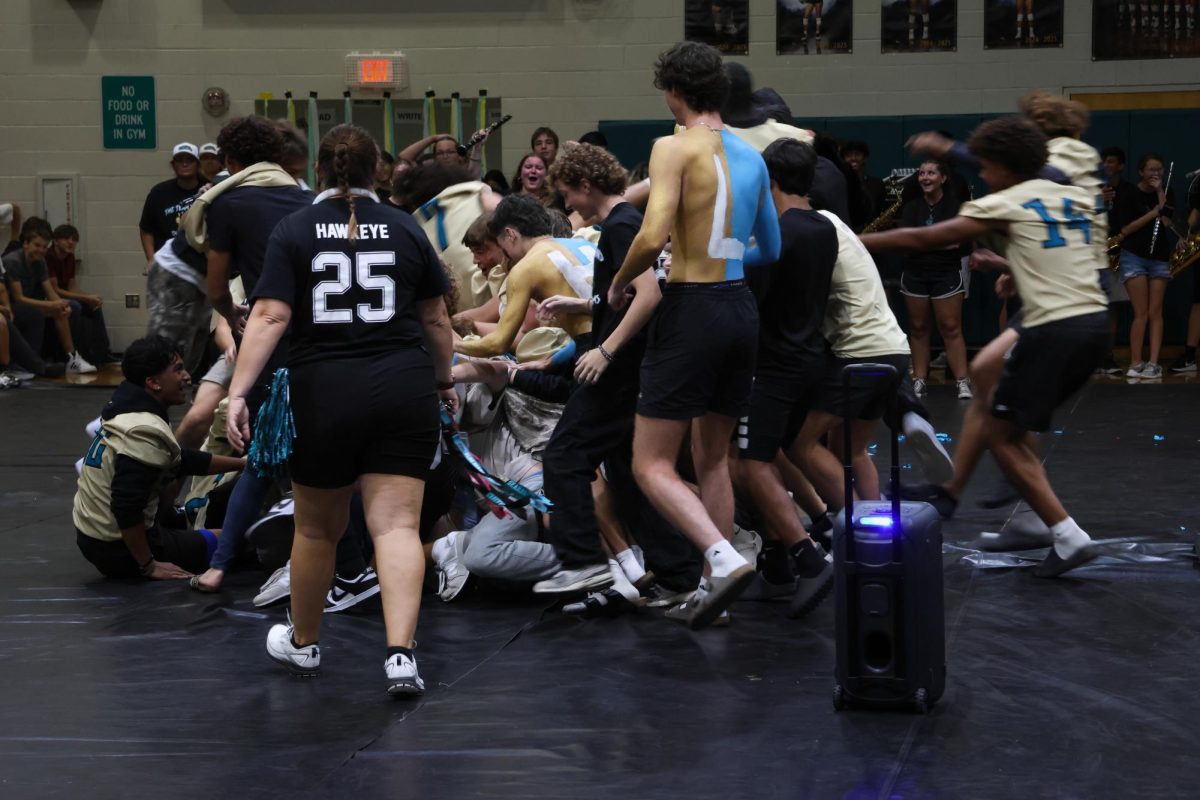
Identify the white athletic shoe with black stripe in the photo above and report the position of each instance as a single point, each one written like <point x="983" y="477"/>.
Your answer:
<point x="402" y="677"/>
<point x="302" y="661"/>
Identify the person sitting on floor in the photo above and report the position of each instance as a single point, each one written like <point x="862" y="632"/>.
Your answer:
<point x="133" y="457"/>
<point x="87" y="318"/>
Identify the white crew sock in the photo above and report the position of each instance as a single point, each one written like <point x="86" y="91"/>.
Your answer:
<point x="620" y="582"/>
<point x="723" y="559"/>
<point x="912" y="24"/>
<point x="1020" y="24"/>
<point x="925" y="34"/>
<point x="630" y="567"/>
<point x="1069" y="538"/>
<point x="818" y="26"/>
<point x="804" y="28"/>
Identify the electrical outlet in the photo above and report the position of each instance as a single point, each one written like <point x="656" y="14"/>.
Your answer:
<point x="133" y="301"/>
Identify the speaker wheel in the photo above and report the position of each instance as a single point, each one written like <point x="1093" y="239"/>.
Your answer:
<point x="839" y="698"/>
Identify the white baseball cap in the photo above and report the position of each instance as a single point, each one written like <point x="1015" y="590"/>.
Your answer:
<point x="184" y="149"/>
<point x="209" y="149"/>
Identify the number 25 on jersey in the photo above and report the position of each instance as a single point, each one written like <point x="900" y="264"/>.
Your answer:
<point x="347" y="274"/>
<point x="1074" y="220"/>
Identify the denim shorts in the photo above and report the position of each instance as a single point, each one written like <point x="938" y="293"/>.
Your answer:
<point x="1134" y="265"/>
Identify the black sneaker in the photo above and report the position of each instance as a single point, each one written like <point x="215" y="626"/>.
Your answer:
<point x="349" y="593"/>
<point x="607" y="603"/>
<point x="1184" y="365"/>
<point x="1054" y="565"/>
<point x="814" y="578"/>
<point x="942" y="501"/>
<point x="821" y="530"/>
<point x="56" y="370"/>
<point x="1109" y="367"/>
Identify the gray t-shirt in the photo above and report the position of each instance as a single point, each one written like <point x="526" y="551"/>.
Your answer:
<point x="32" y="277"/>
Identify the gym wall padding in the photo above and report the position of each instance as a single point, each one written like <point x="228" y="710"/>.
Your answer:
<point x="1169" y="132"/>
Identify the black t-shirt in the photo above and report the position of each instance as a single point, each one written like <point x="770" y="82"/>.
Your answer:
<point x="241" y="221"/>
<point x="792" y="294"/>
<point x="164" y="205"/>
<point x="616" y="235"/>
<point x="1129" y="206"/>
<point x="829" y="190"/>
<point x="1119" y="198"/>
<point x="916" y="213"/>
<point x="351" y="300"/>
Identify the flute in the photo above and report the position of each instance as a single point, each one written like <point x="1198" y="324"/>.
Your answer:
<point x="1158" y="219"/>
<point x="479" y="136"/>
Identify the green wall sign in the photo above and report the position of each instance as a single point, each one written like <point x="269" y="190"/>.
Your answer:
<point x="127" y="112"/>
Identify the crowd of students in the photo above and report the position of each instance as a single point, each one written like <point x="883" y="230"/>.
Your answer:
<point x="619" y="393"/>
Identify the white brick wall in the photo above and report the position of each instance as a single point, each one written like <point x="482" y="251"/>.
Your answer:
<point x="565" y="63"/>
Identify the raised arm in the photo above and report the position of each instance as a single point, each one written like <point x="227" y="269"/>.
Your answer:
<point x="934" y="237"/>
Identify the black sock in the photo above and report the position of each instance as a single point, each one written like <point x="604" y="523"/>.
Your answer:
<point x="821" y="523"/>
<point x="807" y="558"/>
<point x="1189" y="354"/>
<point x="292" y="638"/>
<point x="774" y="563"/>
<point x="404" y="651"/>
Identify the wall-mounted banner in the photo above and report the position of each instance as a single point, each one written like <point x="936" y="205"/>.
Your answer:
<point x="725" y="24"/>
<point x="813" y="27"/>
<point x="918" y="26"/>
<point x="1022" y="23"/>
<point x="1160" y="29"/>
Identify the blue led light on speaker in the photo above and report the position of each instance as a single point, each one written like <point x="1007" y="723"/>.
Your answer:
<point x="876" y="521"/>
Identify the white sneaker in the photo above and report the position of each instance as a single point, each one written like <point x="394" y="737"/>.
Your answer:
<point x="919" y="387"/>
<point x="451" y="574"/>
<point x="305" y="661"/>
<point x="935" y="461"/>
<point x="1135" y="370"/>
<point x="402" y="677"/>
<point x="964" y="389"/>
<point x="747" y="542"/>
<point x="92" y="429"/>
<point x="277" y="587"/>
<point x="21" y="374"/>
<point x="9" y="380"/>
<point x="76" y="363"/>
<point x="1151" y="370"/>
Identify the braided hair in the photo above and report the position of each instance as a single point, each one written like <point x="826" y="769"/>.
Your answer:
<point x="346" y="160"/>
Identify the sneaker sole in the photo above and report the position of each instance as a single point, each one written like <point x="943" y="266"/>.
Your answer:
<point x="260" y="602"/>
<point x="720" y="600"/>
<point x="597" y="582"/>
<point x="405" y="688"/>
<point x="935" y="461"/>
<point x="1009" y="541"/>
<point x="352" y="600"/>
<point x="803" y="605"/>
<point x="292" y="667"/>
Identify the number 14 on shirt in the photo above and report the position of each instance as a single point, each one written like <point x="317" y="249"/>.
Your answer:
<point x="1074" y="220"/>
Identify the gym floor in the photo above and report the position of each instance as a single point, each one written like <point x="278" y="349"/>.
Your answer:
<point x="1081" y="687"/>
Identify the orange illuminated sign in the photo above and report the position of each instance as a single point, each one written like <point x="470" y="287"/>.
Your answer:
<point x="375" y="70"/>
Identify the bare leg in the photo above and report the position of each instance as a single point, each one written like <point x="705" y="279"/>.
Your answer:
<point x="321" y="517"/>
<point x="393" y="508"/>
<point x="1139" y="298"/>
<point x="866" y="477"/>
<point x="802" y="490"/>
<point x="766" y="489"/>
<point x="63" y="326"/>
<point x="948" y="312"/>
<point x="986" y="369"/>
<point x="612" y="534"/>
<point x="1010" y="447"/>
<point x="1154" y="307"/>
<point x="656" y="444"/>
<point x="918" y="334"/>
<point x="820" y="466"/>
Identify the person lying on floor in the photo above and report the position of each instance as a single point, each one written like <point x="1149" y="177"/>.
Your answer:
<point x="133" y="456"/>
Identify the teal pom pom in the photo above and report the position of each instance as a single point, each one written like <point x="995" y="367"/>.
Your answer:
<point x="274" y="430"/>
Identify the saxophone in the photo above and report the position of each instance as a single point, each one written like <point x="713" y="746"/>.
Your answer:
<point x="894" y="185"/>
<point x="1114" y="251"/>
<point x="1185" y="255"/>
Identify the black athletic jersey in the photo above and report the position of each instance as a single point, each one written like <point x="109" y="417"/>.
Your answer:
<point x="792" y="294"/>
<point x="916" y="213"/>
<point x="351" y="299"/>
<point x="616" y="235"/>
<point x="241" y="221"/>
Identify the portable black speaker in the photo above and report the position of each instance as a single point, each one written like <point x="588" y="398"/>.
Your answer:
<point x="889" y="616"/>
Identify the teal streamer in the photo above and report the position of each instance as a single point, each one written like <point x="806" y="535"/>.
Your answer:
<point x="274" y="430"/>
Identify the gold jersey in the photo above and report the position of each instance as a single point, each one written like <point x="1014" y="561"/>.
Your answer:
<point x="1054" y="247"/>
<point x="140" y="435"/>
<point x="196" y="502"/>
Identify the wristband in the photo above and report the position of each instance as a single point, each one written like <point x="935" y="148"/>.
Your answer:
<point x="607" y="355"/>
<point x="147" y="569"/>
<point x="443" y="385"/>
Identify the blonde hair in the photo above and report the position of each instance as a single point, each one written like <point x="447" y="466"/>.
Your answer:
<point x="1054" y="114"/>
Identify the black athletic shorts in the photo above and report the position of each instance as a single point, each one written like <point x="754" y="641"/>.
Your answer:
<point x="868" y="396"/>
<point x="1047" y="365"/>
<point x="356" y="416"/>
<point x="778" y="406"/>
<point x="936" y="284"/>
<point x="700" y="352"/>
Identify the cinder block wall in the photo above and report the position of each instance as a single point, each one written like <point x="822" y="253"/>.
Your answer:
<point x="565" y="63"/>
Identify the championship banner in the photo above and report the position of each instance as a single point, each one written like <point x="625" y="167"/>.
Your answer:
<point x="481" y="123"/>
<point x="725" y="24"/>
<point x="918" y="26"/>
<point x="430" y="115"/>
<point x="456" y="120"/>
<point x="291" y="108"/>
<point x="804" y="28"/>
<point x="389" y="124"/>
<point x="1022" y="23"/>
<point x="1162" y="29"/>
